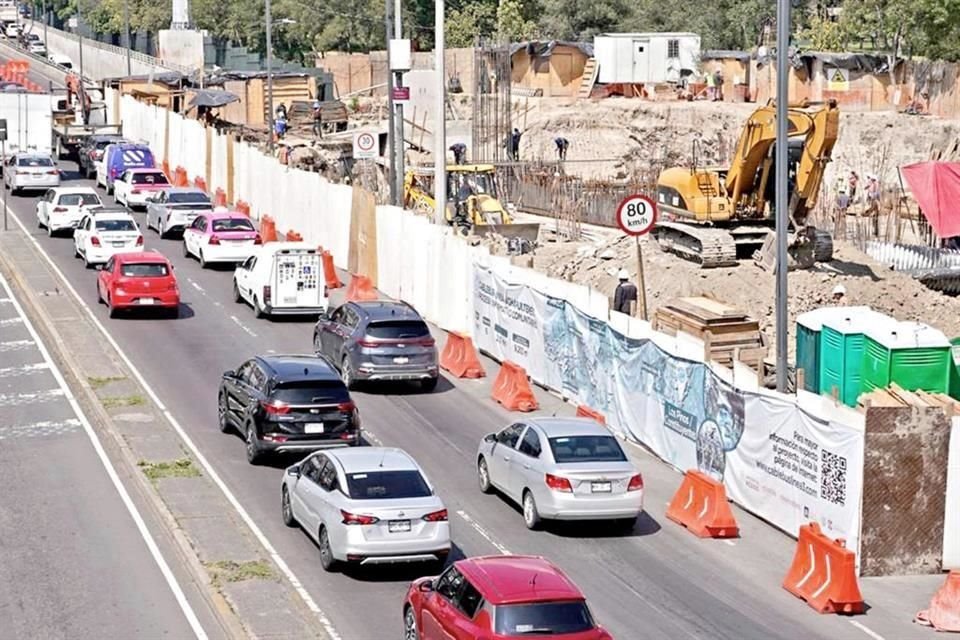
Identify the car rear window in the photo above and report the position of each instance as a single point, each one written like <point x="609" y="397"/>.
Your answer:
<point x="34" y="162"/>
<point x="102" y="144"/>
<point x="311" y="392"/>
<point x="398" y="329"/>
<point x="75" y="199"/>
<point x="116" y="225"/>
<point x="188" y="197"/>
<point x="150" y="178"/>
<point x="144" y="270"/>
<point x="387" y="485"/>
<point x="543" y="618"/>
<point x="232" y="224"/>
<point x="587" y="449"/>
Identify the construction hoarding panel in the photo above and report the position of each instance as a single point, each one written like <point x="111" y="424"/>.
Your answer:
<point x="777" y="460"/>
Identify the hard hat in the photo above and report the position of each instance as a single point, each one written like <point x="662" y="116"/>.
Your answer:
<point x="623" y="275"/>
<point x="839" y="290"/>
<point x="316" y="104"/>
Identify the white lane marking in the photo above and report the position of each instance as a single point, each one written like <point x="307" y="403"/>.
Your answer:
<point x="7" y="321"/>
<point x="305" y="596"/>
<point x="4" y="300"/>
<point x="195" y="285"/>
<point x="237" y="322"/>
<point x="39" y="429"/>
<point x="14" y="399"/>
<point x="171" y="580"/>
<point x="371" y="437"/>
<point x="730" y="542"/>
<point x="483" y="532"/>
<point x="870" y="632"/>
<point x="15" y="345"/>
<point x="26" y="369"/>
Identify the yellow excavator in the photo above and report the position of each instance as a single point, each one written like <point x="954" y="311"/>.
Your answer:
<point x="473" y="204"/>
<point x="716" y="215"/>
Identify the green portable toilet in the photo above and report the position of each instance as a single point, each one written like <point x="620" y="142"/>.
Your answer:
<point x="809" y="325"/>
<point x="955" y="369"/>
<point x="912" y="354"/>
<point x="841" y="352"/>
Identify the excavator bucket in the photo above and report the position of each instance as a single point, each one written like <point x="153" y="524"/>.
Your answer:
<point x="804" y="249"/>
<point x="528" y="231"/>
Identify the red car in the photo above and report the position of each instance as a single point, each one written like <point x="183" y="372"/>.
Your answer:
<point x="499" y="597"/>
<point x="142" y="280"/>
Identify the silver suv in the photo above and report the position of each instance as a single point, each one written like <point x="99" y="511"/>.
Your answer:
<point x="380" y="340"/>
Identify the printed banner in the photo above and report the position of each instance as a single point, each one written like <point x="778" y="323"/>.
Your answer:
<point x="777" y="461"/>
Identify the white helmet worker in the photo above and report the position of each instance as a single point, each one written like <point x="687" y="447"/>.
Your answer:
<point x="623" y="275"/>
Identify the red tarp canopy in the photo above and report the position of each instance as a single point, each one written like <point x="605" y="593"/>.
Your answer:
<point x="936" y="188"/>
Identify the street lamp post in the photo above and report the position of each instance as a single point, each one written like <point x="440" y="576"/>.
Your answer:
<point x="80" y="37"/>
<point x="780" y="202"/>
<point x="126" y="33"/>
<point x="269" y="19"/>
<point x="440" y="119"/>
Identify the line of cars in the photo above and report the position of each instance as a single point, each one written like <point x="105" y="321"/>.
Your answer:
<point x="363" y="505"/>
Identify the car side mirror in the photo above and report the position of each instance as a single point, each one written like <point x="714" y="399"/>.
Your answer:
<point x="294" y="471"/>
<point x="425" y="587"/>
<point x="490" y="438"/>
<point x="229" y="373"/>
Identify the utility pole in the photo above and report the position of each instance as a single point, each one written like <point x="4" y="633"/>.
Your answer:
<point x="126" y="33"/>
<point x="80" y="36"/>
<point x="45" y="20"/>
<point x="398" y="82"/>
<point x="781" y="159"/>
<point x="440" y="119"/>
<point x="391" y="122"/>
<point x="269" y="20"/>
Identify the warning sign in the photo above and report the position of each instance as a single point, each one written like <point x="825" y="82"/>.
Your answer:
<point x="837" y="79"/>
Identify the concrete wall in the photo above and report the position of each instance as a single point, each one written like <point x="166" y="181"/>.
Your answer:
<point x="184" y="48"/>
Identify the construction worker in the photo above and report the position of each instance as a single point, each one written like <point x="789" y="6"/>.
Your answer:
<point x="838" y="293"/>
<point x="843" y="198"/>
<point x="718" y="84"/>
<point x="459" y="151"/>
<point x="625" y="295"/>
<point x="317" y="119"/>
<point x="515" y="143"/>
<point x="711" y="87"/>
<point x="852" y="181"/>
<point x="562" y="145"/>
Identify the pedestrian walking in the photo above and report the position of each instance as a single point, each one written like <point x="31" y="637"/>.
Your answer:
<point x="843" y="197"/>
<point x="515" y="144"/>
<point x="562" y="145"/>
<point x="625" y="295"/>
<point x="718" y="84"/>
<point x="317" y="120"/>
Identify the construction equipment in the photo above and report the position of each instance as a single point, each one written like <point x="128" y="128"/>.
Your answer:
<point x="473" y="205"/>
<point x="715" y="216"/>
<point x="80" y="113"/>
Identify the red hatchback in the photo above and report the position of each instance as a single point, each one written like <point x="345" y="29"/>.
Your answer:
<point x="141" y="280"/>
<point x="498" y="597"/>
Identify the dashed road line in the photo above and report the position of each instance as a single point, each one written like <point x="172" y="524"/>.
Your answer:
<point x="483" y="532"/>
<point x="196" y="286"/>
<point x="8" y="321"/>
<point x="369" y="435"/>
<point x="26" y="369"/>
<point x="39" y="429"/>
<point x="15" y="345"/>
<point x="237" y="322"/>
<point x="867" y="630"/>
<point x="17" y="399"/>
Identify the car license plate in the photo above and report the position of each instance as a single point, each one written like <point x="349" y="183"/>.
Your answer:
<point x="118" y="244"/>
<point x="401" y="360"/>
<point x="290" y="300"/>
<point x="313" y="427"/>
<point x="146" y="301"/>
<point x="600" y="487"/>
<point x="398" y="526"/>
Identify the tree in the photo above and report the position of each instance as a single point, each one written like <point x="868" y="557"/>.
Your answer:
<point x="469" y="21"/>
<point x="511" y="23"/>
<point x="888" y="24"/>
<point x="579" y="20"/>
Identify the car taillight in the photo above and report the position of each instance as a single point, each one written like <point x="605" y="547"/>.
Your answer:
<point x="266" y="293"/>
<point x="369" y="343"/>
<point x="275" y="407"/>
<point x="346" y="407"/>
<point x="257" y="239"/>
<point x="425" y="342"/>
<point x="214" y="239"/>
<point x="53" y="172"/>
<point x="636" y="483"/>
<point x="139" y="241"/>
<point x="113" y="173"/>
<point x="95" y="241"/>
<point x="59" y="209"/>
<point x="436" y="516"/>
<point x="353" y="518"/>
<point x="558" y="483"/>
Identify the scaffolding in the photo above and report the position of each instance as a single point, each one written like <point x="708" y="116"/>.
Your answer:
<point x="492" y="103"/>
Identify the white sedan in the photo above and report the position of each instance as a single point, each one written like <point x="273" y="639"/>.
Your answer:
<point x="100" y="236"/>
<point x="61" y="209"/>
<point x="134" y="186"/>
<point x="30" y="171"/>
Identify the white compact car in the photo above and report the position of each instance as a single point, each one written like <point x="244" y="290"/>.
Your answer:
<point x="30" y="171"/>
<point x="102" y="235"/>
<point x="282" y="278"/>
<point x="134" y="186"/>
<point x="62" y="208"/>
<point x="561" y="468"/>
<point x="366" y="505"/>
<point x="175" y="208"/>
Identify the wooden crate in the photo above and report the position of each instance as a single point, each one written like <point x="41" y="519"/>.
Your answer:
<point x="727" y="332"/>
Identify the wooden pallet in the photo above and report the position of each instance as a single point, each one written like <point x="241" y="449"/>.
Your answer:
<point x="728" y="334"/>
<point x="589" y="78"/>
<point x="897" y="396"/>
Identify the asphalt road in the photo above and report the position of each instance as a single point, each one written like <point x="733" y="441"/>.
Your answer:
<point x="656" y="582"/>
<point x="72" y="562"/>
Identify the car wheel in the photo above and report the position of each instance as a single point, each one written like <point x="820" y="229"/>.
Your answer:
<point x="236" y="293"/>
<point x="222" y="420"/>
<point x="203" y="263"/>
<point x="327" y="561"/>
<point x="286" y="510"/>
<point x="49" y="230"/>
<point x="39" y="221"/>
<point x="429" y="384"/>
<point x="76" y="251"/>
<point x="99" y="295"/>
<point x="410" y="625"/>
<point x="483" y="475"/>
<point x="254" y="454"/>
<point x="86" y="263"/>
<point x="531" y="517"/>
<point x="257" y="309"/>
<point x="113" y="311"/>
<point x="186" y="251"/>
<point x="346" y="372"/>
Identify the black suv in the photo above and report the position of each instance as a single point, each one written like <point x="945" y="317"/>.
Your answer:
<point x="91" y="151"/>
<point x="287" y="403"/>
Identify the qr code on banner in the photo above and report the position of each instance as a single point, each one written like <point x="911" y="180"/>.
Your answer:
<point x="833" y="477"/>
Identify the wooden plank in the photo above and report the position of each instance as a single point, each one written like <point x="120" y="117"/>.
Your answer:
<point x="705" y="308"/>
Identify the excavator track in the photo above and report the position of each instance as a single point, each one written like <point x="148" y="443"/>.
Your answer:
<point x="703" y="245"/>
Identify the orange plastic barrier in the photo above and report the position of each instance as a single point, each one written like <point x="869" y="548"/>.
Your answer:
<point x="460" y="357"/>
<point x="268" y="229"/>
<point x="166" y="171"/>
<point x="584" y="411"/>
<point x="293" y="236"/>
<point x="700" y="505"/>
<point x="824" y="573"/>
<point x="511" y="388"/>
<point x="5" y="72"/>
<point x="219" y="198"/>
<point x="329" y="270"/>
<point x="200" y="183"/>
<point x="243" y="207"/>
<point x="944" y="611"/>
<point x="180" y="177"/>
<point x="360" y="288"/>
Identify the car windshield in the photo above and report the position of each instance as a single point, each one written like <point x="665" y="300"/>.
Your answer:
<point x="34" y="162"/>
<point x="311" y="392"/>
<point x="116" y="225"/>
<point x="232" y="224"/>
<point x="144" y="270"/>
<point x="587" y="449"/>
<point x="150" y="178"/>
<point x="543" y="618"/>
<point x="387" y="485"/>
<point x="188" y="197"/>
<point x="77" y="199"/>
<point x="398" y="329"/>
<point x="102" y="144"/>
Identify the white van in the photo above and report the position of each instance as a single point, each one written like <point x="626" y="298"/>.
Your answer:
<point x="282" y="278"/>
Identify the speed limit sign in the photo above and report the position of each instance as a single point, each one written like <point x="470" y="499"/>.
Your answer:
<point x="636" y="215"/>
<point x="364" y="145"/>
